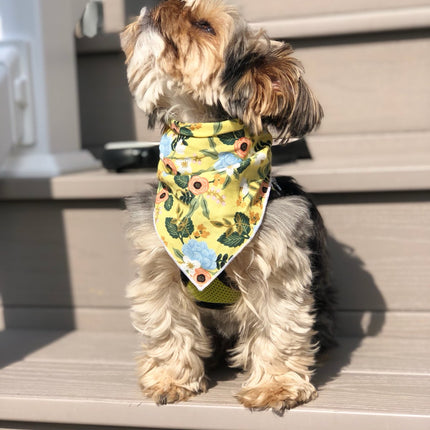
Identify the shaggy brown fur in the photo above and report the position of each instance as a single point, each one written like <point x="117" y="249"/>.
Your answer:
<point x="195" y="61"/>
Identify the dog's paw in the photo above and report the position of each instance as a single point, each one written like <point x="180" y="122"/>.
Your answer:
<point x="168" y="390"/>
<point x="162" y="395"/>
<point x="276" y="395"/>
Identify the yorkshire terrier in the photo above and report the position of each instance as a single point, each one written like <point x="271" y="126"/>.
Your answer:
<point x="230" y="255"/>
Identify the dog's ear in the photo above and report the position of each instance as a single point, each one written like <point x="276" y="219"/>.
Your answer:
<point x="130" y="34"/>
<point x="265" y="86"/>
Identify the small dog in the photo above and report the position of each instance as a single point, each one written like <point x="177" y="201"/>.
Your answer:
<point x="234" y="259"/>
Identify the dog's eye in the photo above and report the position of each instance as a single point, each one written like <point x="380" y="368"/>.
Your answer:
<point x="205" y="26"/>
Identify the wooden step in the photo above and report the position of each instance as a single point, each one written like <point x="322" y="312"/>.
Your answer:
<point x="366" y="62"/>
<point x="339" y="164"/>
<point x="88" y="378"/>
<point x="378" y="244"/>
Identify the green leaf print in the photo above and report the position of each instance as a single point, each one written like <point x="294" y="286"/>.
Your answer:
<point x="195" y="203"/>
<point x="212" y="143"/>
<point x="243" y="226"/>
<point x="211" y="154"/>
<point x="229" y="231"/>
<point x="175" y="143"/>
<point x="187" y="197"/>
<point x="233" y="240"/>
<point x="185" y="227"/>
<point x="168" y="204"/>
<point x="266" y="171"/>
<point x="178" y="253"/>
<point x="179" y="229"/>
<point x="221" y="260"/>
<point x="171" y="228"/>
<point x="217" y="127"/>
<point x="260" y="145"/>
<point x="226" y="182"/>
<point x="230" y="138"/>
<point x="182" y="181"/>
<point x="205" y="208"/>
<point x="243" y="165"/>
<point x="186" y="131"/>
<point x="260" y="172"/>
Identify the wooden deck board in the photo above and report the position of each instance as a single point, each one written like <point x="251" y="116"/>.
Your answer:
<point x="89" y="378"/>
<point x="79" y="394"/>
<point x="370" y="354"/>
<point x="350" y="323"/>
<point x="116" y="383"/>
<point x="379" y="248"/>
<point x="340" y="163"/>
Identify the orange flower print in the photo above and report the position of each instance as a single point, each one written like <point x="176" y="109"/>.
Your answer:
<point x="240" y="202"/>
<point x="259" y="203"/>
<point x="201" y="231"/>
<point x="218" y="180"/>
<point x="263" y="189"/>
<point x="242" y="146"/>
<point x="201" y="276"/>
<point x="198" y="185"/>
<point x="254" y="217"/>
<point x="174" y="127"/>
<point x="196" y="126"/>
<point x="162" y="196"/>
<point x="170" y="166"/>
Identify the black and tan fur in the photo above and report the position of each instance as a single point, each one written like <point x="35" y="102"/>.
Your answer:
<point x="198" y="61"/>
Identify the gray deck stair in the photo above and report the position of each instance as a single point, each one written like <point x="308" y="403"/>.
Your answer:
<point x="67" y="348"/>
<point x="66" y="345"/>
<point x="88" y="378"/>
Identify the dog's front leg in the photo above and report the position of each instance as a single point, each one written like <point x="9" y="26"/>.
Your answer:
<point x="174" y="341"/>
<point x="277" y="353"/>
<point x="275" y="340"/>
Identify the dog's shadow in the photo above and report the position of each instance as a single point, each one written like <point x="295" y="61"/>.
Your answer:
<point x="354" y="285"/>
<point x="360" y="310"/>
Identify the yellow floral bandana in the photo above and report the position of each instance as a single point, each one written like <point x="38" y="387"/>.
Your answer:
<point x="213" y="190"/>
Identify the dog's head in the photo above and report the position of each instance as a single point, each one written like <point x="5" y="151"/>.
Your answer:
<point x="200" y="55"/>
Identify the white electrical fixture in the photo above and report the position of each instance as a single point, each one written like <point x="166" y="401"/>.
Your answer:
<point x="16" y="100"/>
<point x="39" y="125"/>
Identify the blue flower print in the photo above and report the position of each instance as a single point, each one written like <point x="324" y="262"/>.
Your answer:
<point x="225" y="160"/>
<point x="165" y="145"/>
<point x="228" y="163"/>
<point x="199" y="251"/>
